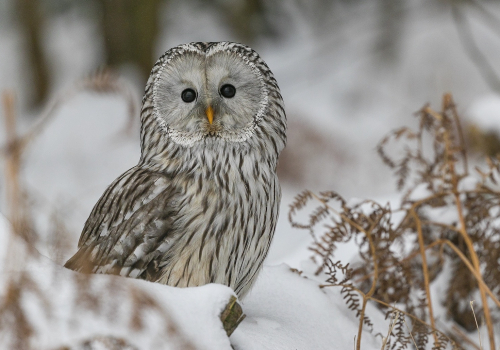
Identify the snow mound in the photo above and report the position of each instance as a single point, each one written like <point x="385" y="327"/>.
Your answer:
<point x="288" y="311"/>
<point x="64" y="308"/>
<point x="485" y="112"/>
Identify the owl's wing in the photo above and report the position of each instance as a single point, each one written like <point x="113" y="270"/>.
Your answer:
<point x="129" y="228"/>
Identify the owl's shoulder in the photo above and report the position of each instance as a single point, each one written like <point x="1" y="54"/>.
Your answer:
<point x="130" y="220"/>
<point x="127" y="195"/>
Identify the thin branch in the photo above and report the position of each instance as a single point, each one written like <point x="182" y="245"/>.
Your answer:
<point x="449" y="103"/>
<point x="464" y="337"/>
<point x="476" y="265"/>
<point x="391" y="327"/>
<point x="368" y="234"/>
<point x="413" y="317"/>
<point x="425" y="270"/>
<point x="409" y="331"/>
<point x="475" y="319"/>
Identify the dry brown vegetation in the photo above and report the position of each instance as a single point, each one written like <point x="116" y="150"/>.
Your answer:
<point x="446" y="228"/>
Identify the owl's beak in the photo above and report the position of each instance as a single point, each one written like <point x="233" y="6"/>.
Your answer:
<point x="210" y="114"/>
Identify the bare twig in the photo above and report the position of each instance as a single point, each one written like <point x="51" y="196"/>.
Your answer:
<point x="391" y="327"/>
<point x="368" y="234"/>
<point x="477" y="269"/>
<point x="464" y="337"/>
<point x="13" y="161"/>
<point x="425" y="270"/>
<point x="449" y="103"/>
<point x="409" y="331"/>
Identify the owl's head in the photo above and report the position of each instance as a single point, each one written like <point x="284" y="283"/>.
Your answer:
<point x="221" y="90"/>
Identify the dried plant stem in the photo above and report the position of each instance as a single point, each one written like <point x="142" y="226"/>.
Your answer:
<point x="475" y="319"/>
<point x="457" y="251"/>
<point x="391" y="327"/>
<point x="409" y="331"/>
<point x="413" y="317"/>
<point x="450" y="161"/>
<point x="467" y="263"/>
<point x="12" y="169"/>
<point x="13" y="162"/>
<point x="464" y="338"/>
<point x="368" y="234"/>
<point x="448" y="102"/>
<point x="425" y="270"/>
<point x="476" y="265"/>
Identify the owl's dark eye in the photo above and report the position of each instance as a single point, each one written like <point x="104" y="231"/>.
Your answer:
<point x="228" y="90"/>
<point x="188" y="95"/>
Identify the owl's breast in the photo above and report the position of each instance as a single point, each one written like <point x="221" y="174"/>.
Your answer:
<point x="226" y="222"/>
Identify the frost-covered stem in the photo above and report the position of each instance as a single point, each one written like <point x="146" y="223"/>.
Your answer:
<point x="425" y="270"/>
<point x="476" y="265"/>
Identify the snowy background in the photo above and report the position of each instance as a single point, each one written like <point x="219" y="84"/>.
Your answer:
<point x="349" y="72"/>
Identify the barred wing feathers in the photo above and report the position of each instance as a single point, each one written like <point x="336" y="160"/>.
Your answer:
<point x="129" y="228"/>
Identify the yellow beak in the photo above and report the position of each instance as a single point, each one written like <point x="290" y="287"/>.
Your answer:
<point x="210" y="114"/>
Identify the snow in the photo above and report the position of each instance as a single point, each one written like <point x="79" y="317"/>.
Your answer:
<point x="283" y="311"/>
<point x="485" y="113"/>
<point x="193" y="313"/>
<point x="468" y="183"/>
<point x="287" y="311"/>
<point x="420" y="192"/>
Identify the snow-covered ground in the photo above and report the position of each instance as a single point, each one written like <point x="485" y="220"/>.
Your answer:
<point x="336" y="88"/>
<point x="64" y="308"/>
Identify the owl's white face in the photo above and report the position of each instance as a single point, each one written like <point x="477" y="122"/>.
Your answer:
<point x="209" y="94"/>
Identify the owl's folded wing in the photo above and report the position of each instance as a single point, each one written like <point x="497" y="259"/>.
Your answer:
<point x="129" y="227"/>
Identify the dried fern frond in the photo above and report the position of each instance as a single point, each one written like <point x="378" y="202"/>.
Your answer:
<point x="450" y="219"/>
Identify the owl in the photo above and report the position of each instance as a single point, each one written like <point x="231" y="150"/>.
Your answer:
<point x="202" y="203"/>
